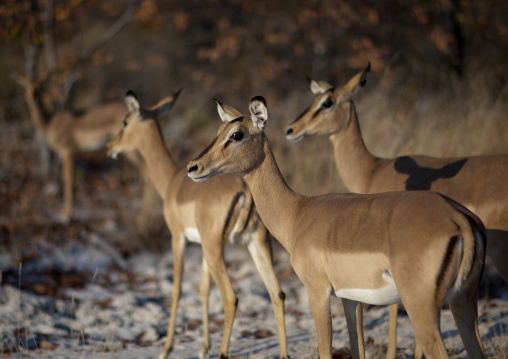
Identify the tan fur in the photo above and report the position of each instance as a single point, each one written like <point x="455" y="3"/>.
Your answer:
<point x="350" y="241"/>
<point x="68" y="134"/>
<point x="215" y="209"/>
<point x="480" y="183"/>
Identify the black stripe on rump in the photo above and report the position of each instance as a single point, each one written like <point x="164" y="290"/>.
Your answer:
<point x="447" y="261"/>
<point x="227" y="222"/>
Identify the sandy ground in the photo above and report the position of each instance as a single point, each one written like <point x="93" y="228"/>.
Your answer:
<point x="81" y="299"/>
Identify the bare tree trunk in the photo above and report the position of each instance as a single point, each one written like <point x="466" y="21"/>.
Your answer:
<point x="458" y="59"/>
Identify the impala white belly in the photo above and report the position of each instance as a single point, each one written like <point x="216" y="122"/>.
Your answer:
<point x="385" y="295"/>
<point x="192" y="235"/>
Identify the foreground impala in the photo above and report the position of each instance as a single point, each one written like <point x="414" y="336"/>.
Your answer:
<point x="480" y="183"/>
<point x="420" y="248"/>
<point x="212" y="214"/>
<point x="68" y="134"/>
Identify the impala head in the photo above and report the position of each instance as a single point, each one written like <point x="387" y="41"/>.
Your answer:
<point x="30" y="86"/>
<point x="138" y="118"/>
<point x="330" y="111"/>
<point x="238" y="146"/>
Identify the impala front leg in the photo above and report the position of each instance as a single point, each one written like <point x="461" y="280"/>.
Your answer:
<point x="178" y="247"/>
<point x="354" y="318"/>
<point x="391" y="352"/>
<point x="261" y="252"/>
<point x="320" y="308"/>
<point x="204" y="289"/>
<point x="215" y="259"/>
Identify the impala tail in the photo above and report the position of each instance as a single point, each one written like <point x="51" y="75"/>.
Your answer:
<point x="469" y="248"/>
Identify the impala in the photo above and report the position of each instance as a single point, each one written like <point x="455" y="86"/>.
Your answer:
<point x="56" y="73"/>
<point x="68" y="134"/>
<point x="480" y="183"/>
<point x="220" y="211"/>
<point x="420" y="248"/>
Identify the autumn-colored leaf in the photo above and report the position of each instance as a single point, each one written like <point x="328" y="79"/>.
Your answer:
<point x="181" y="21"/>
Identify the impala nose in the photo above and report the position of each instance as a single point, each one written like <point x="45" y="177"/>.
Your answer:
<point x="289" y="131"/>
<point x="192" y="168"/>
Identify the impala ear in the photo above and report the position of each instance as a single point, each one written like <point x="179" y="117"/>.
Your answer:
<point x="318" y="87"/>
<point x="226" y="112"/>
<point x="164" y="105"/>
<point x="258" y="112"/>
<point x="358" y="81"/>
<point x="132" y="103"/>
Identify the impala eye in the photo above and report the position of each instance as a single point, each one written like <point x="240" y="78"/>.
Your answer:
<point x="237" y="136"/>
<point x="328" y="103"/>
<point x="124" y="121"/>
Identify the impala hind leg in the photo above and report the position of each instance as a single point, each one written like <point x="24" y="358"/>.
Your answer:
<point x="425" y="320"/>
<point x="261" y="252"/>
<point x="391" y="352"/>
<point x="178" y="247"/>
<point x="354" y="318"/>
<point x="497" y="250"/>
<point x="464" y="305"/>
<point x="215" y="259"/>
<point x="204" y="289"/>
<point x="465" y="312"/>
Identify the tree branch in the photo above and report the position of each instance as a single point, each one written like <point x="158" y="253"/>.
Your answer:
<point x="112" y="31"/>
<point x="49" y="42"/>
<point x="76" y="69"/>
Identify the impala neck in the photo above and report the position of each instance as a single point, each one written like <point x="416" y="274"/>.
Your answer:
<point x="276" y="203"/>
<point x="161" y="167"/>
<point x="353" y="160"/>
